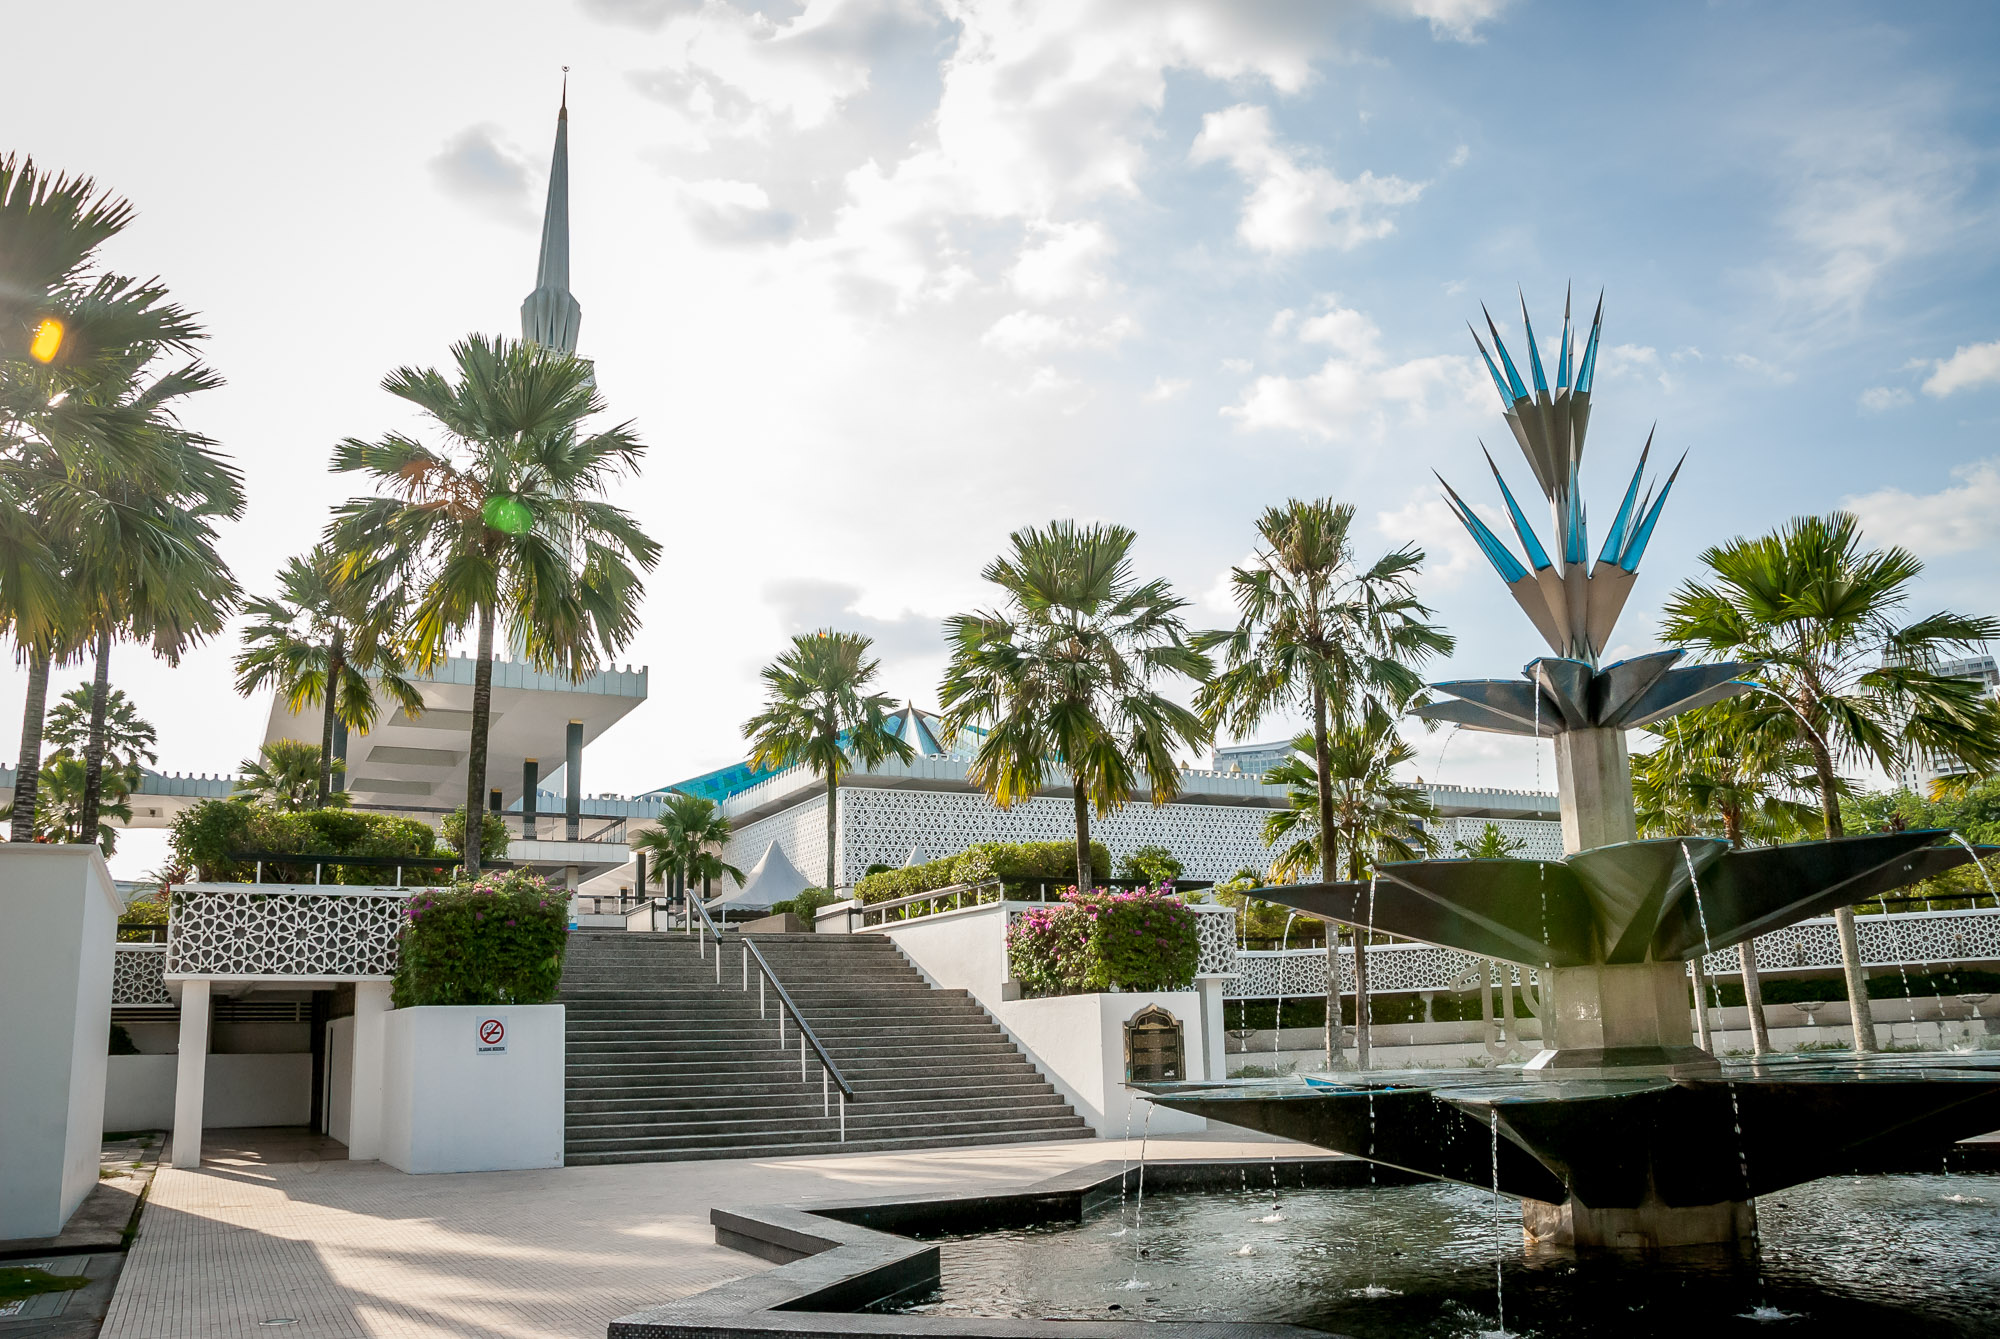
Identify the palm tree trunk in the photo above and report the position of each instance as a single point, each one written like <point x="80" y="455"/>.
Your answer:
<point x="1323" y="764"/>
<point x="28" y="771"/>
<point x="336" y="665"/>
<point x="1362" y="1026"/>
<point x="1084" y="881"/>
<point x="1843" y="917"/>
<point x="1746" y="952"/>
<point x="93" y="744"/>
<point x="475" y="754"/>
<point x="832" y="819"/>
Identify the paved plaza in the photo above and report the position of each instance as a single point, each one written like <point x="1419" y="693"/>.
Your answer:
<point x="276" y="1227"/>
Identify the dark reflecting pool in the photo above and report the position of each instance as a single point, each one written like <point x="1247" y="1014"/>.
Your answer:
<point x="1920" y="1254"/>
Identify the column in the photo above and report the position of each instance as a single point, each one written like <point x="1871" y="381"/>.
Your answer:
<point x="531" y="777"/>
<point x="190" y="1074"/>
<point x="364" y="1119"/>
<point x="573" y="780"/>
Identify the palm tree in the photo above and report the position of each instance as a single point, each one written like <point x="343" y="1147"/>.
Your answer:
<point x="60" y="808"/>
<point x="128" y="739"/>
<point x="1065" y="674"/>
<point x="1842" y="676"/>
<point x="284" y="775"/>
<point x="100" y="494"/>
<point x="686" y="847"/>
<point x="818" y="711"/>
<point x="1490" y="844"/>
<point x="1723" y="767"/>
<point x="1317" y="634"/>
<point x="501" y="527"/>
<point x="1376" y="817"/>
<point x="318" y="631"/>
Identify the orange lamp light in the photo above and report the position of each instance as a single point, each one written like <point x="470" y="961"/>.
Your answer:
<point x="48" y="339"/>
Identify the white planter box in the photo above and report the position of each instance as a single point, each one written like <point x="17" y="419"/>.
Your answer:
<point x="462" y="1095"/>
<point x="1078" y="1043"/>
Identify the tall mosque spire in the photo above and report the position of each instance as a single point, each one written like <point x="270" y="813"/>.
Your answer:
<point x="550" y="315"/>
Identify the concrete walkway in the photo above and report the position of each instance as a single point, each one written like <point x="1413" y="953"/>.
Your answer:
<point x="272" y="1229"/>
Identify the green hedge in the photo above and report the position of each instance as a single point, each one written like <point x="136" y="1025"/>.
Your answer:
<point x="497" y="941"/>
<point x="1096" y="940"/>
<point x="206" y="836"/>
<point x="1020" y="866"/>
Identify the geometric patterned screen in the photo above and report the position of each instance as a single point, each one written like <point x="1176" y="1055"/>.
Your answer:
<point x="138" y="976"/>
<point x="279" y="930"/>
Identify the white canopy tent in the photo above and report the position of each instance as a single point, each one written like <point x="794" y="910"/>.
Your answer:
<point x="772" y="879"/>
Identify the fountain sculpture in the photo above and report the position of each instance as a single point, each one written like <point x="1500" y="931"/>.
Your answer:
<point x="1621" y="1132"/>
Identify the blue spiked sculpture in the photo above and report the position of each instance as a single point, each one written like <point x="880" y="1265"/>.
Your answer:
<point x="1573" y="602"/>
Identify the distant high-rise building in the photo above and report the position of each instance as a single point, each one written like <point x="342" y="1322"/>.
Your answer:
<point x="1980" y="669"/>
<point x="551" y="315"/>
<point x="1251" y="759"/>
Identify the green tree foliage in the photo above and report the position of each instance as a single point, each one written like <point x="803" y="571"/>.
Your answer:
<point x="686" y="847"/>
<point x="1067" y="674"/>
<point x="1972" y="811"/>
<point x="500" y="527"/>
<point x="497" y="941"/>
<point x="819" y="712"/>
<point x="493" y="833"/>
<point x="284" y="775"/>
<point x="60" y="804"/>
<point x="1490" y="844"/>
<point x="1150" y="864"/>
<point x="1723" y="770"/>
<point x="106" y="500"/>
<point x="129" y="739"/>
<point x="209" y="838"/>
<point x="1319" y="634"/>
<point x="1844" y="676"/>
<point x="321" y="642"/>
<point x="1376" y="815"/>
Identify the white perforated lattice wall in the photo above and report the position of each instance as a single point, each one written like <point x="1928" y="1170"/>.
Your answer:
<point x="283" y="930"/>
<point x="1542" y="840"/>
<point x="138" y="976"/>
<point x="879" y="826"/>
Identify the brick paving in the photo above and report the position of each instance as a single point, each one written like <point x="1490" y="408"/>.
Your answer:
<point x="275" y="1226"/>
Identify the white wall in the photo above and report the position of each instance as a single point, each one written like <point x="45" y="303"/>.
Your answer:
<point x="60" y="909"/>
<point x="447" y="1107"/>
<point x="238" y="1090"/>
<point x="340" y="1077"/>
<point x="1077" y="1042"/>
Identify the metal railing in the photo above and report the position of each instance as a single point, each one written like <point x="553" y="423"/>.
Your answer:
<point x="830" y="1077"/>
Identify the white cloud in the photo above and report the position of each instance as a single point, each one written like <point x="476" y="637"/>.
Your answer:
<point x="1024" y="333"/>
<point x="1964" y="516"/>
<point x="1973" y="365"/>
<point x="1879" y="398"/>
<point x="1618" y="362"/>
<point x="1758" y="367"/>
<point x="1062" y="263"/>
<point x="1294" y="205"/>
<point x="1427" y="521"/>
<point x="479" y="169"/>
<point x="1458" y="20"/>
<point x="733" y="211"/>
<point x="1237" y="365"/>
<point x="1358" y="389"/>
<point x="1167" y="388"/>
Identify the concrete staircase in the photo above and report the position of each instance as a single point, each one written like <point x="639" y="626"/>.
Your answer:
<point x="665" y="1064"/>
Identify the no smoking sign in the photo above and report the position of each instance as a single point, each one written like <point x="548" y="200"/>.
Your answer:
<point x="492" y="1034"/>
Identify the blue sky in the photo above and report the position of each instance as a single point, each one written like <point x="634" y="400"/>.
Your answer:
<point x="881" y="281"/>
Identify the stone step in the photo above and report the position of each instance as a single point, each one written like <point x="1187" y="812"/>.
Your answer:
<point x="802" y="1148"/>
<point x="726" y="1134"/>
<point x="692" y="1118"/>
<point x="661" y="1098"/>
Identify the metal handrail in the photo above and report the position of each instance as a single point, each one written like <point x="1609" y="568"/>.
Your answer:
<point x="955" y="891"/>
<point x="829" y="1072"/>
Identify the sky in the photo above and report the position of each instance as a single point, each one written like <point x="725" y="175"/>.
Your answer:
<point x="880" y="281"/>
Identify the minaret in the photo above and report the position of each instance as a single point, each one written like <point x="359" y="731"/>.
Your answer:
<point x="550" y="315"/>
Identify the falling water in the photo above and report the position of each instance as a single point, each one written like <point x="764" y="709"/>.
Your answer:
<point x="1735" y="1107"/>
<point x="1537" y="740"/>
<point x="1125" y="1163"/>
<point x="1451" y="734"/>
<point x="1980" y="867"/>
<point x="1910" y="996"/>
<point x="1500" y="1223"/>
<point x="1139" y="1212"/>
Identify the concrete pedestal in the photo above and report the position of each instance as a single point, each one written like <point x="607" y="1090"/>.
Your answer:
<point x="1594" y="782"/>
<point x="1617" y="1016"/>
<point x="1651" y="1226"/>
<point x="60" y="911"/>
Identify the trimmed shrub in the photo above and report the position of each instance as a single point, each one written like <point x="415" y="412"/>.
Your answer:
<point x="1020" y="867"/>
<point x="1151" y="864"/>
<point x="805" y="906"/>
<point x="497" y="941"/>
<point x="1139" y="940"/>
<point x="206" y="837"/>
